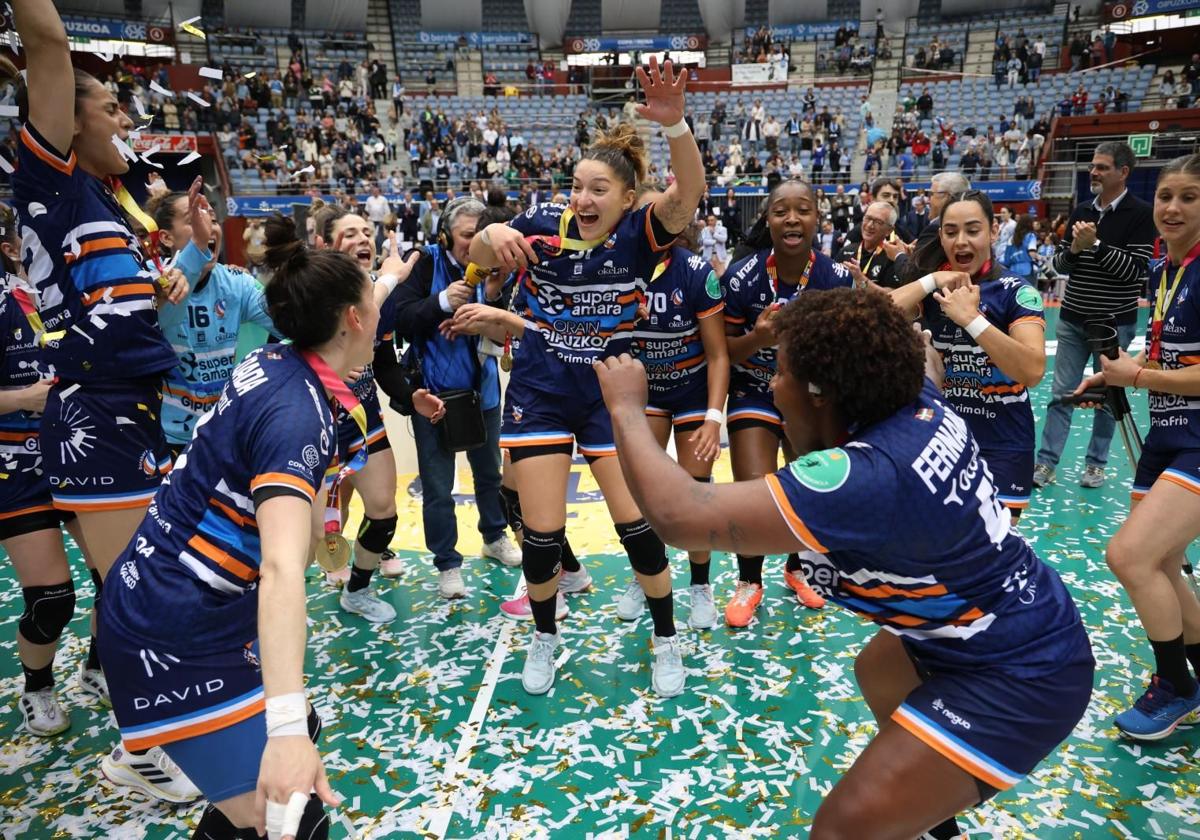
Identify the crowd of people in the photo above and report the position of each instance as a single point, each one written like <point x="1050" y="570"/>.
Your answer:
<point x="636" y="310"/>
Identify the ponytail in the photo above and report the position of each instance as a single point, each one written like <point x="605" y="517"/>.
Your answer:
<point x="623" y="151"/>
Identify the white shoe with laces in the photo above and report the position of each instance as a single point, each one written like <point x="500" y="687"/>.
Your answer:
<point x="366" y="603"/>
<point x="502" y="550"/>
<point x="667" y="674"/>
<point x="704" y="614"/>
<point x="632" y="603"/>
<point x="390" y="565"/>
<point x="92" y="681"/>
<point x="154" y="774"/>
<point x="43" y="714"/>
<point x="571" y="582"/>
<point x="538" y="675"/>
<point x="450" y="584"/>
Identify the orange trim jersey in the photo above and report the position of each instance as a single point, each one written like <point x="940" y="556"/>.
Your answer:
<point x="192" y="567"/>
<point x="95" y="288"/>
<point x="996" y="407"/>
<point x="24" y="487"/>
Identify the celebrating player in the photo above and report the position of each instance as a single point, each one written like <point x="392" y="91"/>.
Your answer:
<point x="989" y="328"/>
<point x="783" y="266"/>
<point x="588" y="266"/>
<point x="982" y="666"/>
<point x="1147" y="554"/>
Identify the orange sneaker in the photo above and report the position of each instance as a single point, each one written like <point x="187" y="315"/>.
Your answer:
<point x="742" y="605"/>
<point x="804" y="593"/>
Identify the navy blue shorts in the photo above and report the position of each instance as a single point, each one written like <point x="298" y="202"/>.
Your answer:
<point x="541" y="423"/>
<point x="685" y="410"/>
<point x="25" y="503"/>
<point x="103" y="446"/>
<point x="350" y="437"/>
<point x="993" y="725"/>
<point x="748" y="409"/>
<point x="1181" y="466"/>
<point x="207" y="711"/>
<point x="1012" y="476"/>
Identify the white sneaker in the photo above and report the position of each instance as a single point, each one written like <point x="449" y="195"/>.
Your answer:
<point x="704" y="610"/>
<point x="42" y="713"/>
<point x="367" y="604"/>
<point x="92" y="681"/>
<point x="502" y="549"/>
<point x="154" y="774"/>
<point x="450" y="584"/>
<point x="667" y="674"/>
<point x="518" y="609"/>
<point x="571" y="582"/>
<point x="632" y="603"/>
<point x="390" y="565"/>
<point x="538" y="674"/>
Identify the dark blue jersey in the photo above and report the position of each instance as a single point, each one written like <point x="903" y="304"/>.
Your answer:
<point x="751" y="285"/>
<point x="580" y="301"/>
<point x="21" y="365"/>
<point x="1175" y="419"/>
<point x="684" y="290"/>
<point x="995" y="407"/>
<point x="914" y="539"/>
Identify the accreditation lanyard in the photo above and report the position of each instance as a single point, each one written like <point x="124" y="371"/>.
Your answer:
<point x="773" y="273"/>
<point x="864" y="266"/>
<point x="350" y="404"/>
<point x="1163" y="301"/>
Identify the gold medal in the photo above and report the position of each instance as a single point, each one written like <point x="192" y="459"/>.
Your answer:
<point x="506" y="362"/>
<point x="1153" y="364"/>
<point x="333" y="553"/>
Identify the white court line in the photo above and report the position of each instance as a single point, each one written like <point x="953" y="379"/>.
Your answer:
<point x="439" y="823"/>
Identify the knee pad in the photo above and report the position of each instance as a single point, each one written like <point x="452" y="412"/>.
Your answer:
<point x="314" y="825"/>
<point x="376" y="534"/>
<point x="511" y="500"/>
<point x="647" y="553"/>
<point x="48" y="609"/>
<point x="541" y="555"/>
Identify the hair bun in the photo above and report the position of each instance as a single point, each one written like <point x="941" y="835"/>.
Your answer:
<point x="283" y="245"/>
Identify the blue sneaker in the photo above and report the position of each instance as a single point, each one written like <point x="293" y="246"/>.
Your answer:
<point x="1157" y="712"/>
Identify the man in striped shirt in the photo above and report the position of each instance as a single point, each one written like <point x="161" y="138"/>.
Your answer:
<point x="1105" y="255"/>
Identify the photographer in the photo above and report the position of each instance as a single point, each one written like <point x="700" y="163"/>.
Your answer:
<point x="433" y="292"/>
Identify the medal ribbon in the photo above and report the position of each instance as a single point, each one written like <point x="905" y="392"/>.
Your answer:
<point x="1163" y="301"/>
<point x="144" y="219"/>
<point x="773" y="273"/>
<point x="874" y="254"/>
<point x="349" y="403"/>
<point x="21" y="296"/>
<point x="565" y="241"/>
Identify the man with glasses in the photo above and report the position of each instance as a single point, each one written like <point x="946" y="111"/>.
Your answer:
<point x="943" y="185"/>
<point x="1105" y="255"/>
<point x="868" y="252"/>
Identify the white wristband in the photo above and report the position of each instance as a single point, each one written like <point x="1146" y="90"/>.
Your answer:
<point x="977" y="326"/>
<point x="287" y="714"/>
<point x="928" y="284"/>
<point x="716" y="415"/>
<point x="678" y="130"/>
<point x="389" y="280"/>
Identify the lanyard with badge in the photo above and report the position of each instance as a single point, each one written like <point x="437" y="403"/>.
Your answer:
<point x="866" y="266"/>
<point x="1162" y="305"/>
<point x="773" y="274"/>
<point x="334" y="553"/>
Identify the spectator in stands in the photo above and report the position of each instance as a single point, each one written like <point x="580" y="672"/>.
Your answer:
<point x="863" y="251"/>
<point x="430" y="219"/>
<point x="378" y="210"/>
<point x="1079" y="101"/>
<point x="818" y="160"/>
<point x="770" y="133"/>
<point x="1014" y="66"/>
<point x="917" y="218"/>
<point x="752" y="132"/>
<point x="731" y="216"/>
<point x="1019" y="251"/>
<point x="713" y="240"/>
<point x="925" y="104"/>
<point x="793" y="133"/>
<point x="835" y="162"/>
<point x="1033" y="65"/>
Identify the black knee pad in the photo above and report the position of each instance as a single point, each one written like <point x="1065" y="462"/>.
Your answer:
<point x="376" y="534"/>
<point x="647" y="553"/>
<point x="315" y="724"/>
<point x="511" y="500"/>
<point x="314" y="825"/>
<point x="48" y="609"/>
<point x="541" y="555"/>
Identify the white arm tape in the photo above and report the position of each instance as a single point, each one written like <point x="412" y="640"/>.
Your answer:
<point x="284" y="820"/>
<point x="391" y="281"/>
<point x="678" y="130"/>
<point x="716" y="415"/>
<point x="928" y="284"/>
<point x="287" y="714"/>
<point x="977" y="326"/>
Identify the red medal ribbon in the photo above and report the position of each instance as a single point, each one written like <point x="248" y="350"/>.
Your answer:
<point x="349" y="403"/>
<point x="1163" y="301"/>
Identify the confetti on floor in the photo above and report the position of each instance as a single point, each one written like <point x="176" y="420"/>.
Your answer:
<point x="770" y="720"/>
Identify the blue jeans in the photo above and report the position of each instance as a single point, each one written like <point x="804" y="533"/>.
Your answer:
<point x="437" y="483"/>
<point x="1069" y="361"/>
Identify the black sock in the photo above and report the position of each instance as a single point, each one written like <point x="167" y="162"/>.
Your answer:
<point x="662" y="610"/>
<point x="543" y="614"/>
<point x="93" y="656"/>
<point x="1171" y="663"/>
<point x="214" y="825"/>
<point x="359" y="579"/>
<point x="1193" y="655"/>
<point x="947" y="830"/>
<point x="793" y="562"/>
<point x="38" y="678"/>
<point x="750" y="569"/>
<point x="699" y="573"/>
<point x="570" y="562"/>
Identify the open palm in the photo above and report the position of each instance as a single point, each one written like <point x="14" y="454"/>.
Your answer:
<point x="664" y="93"/>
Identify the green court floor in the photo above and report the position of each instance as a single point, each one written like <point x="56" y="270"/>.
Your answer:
<point x="428" y="732"/>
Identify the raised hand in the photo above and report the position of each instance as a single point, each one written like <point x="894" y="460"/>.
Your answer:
<point x="663" y="91"/>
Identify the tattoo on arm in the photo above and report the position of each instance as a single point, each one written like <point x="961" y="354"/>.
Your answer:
<point x="736" y="536"/>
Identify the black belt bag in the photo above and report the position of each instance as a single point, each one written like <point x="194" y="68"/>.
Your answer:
<point x="462" y="428"/>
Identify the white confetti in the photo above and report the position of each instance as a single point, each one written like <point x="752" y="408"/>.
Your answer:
<point x="8" y="110"/>
<point x="7" y="167"/>
<point x="198" y="100"/>
<point x="190" y="157"/>
<point x="123" y="147"/>
<point x="159" y="89"/>
<point x="211" y="73"/>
